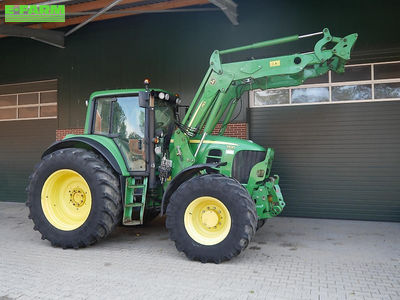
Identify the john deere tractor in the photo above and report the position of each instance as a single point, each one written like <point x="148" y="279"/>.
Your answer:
<point x="137" y="159"/>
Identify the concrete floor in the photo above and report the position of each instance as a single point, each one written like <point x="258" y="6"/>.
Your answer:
<point x="289" y="258"/>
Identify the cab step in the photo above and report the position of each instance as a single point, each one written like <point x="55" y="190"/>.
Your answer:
<point x="134" y="216"/>
<point x="132" y="222"/>
<point x="134" y="205"/>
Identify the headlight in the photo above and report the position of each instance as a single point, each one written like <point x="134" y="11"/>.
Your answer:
<point x="167" y="97"/>
<point x="161" y="95"/>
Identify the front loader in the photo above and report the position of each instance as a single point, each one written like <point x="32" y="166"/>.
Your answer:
<point x="137" y="159"/>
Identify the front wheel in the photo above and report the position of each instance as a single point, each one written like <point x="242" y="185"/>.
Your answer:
<point x="74" y="198"/>
<point x="211" y="218"/>
<point x="260" y="223"/>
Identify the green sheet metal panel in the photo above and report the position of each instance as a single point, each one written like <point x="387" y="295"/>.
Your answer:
<point x="335" y="161"/>
<point x="22" y="144"/>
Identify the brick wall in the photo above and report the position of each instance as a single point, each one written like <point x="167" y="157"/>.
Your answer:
<point x="238" y="130"/>
<point x="61" y="133"/>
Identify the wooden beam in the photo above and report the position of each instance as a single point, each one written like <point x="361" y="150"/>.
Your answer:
<point x="85" y="6"/>
<point x="93" y="5"/>
<point x="92" y="17"/>
<point x="157" y="6"/>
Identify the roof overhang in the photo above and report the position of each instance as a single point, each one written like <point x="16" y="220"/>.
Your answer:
<point x="79" y="13"/>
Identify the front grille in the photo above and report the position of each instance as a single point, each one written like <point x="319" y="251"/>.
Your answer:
<point x="214" y="156"/>
<point x="244" y="162"/>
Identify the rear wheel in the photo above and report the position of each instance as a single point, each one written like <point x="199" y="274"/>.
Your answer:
<point x="74" y="198"/>
<point x="211" y="218"/>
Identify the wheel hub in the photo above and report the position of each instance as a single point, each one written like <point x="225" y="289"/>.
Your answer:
<point x="77" y="197"/>
<point x="209" y="218"/>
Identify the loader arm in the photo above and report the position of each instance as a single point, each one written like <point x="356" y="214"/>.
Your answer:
<point x="224" y="83"/>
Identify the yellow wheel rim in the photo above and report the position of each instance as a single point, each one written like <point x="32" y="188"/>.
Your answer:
<point x="207" y="220"/>
<point x="66" y="199"/>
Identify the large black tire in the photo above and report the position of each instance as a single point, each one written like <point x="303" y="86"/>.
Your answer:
<point x="260" y="223"/>
<point x="236" y="200"/>
<point x="106" y="205"/>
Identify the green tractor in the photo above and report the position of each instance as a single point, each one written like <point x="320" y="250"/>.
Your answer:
<point x="137" y="159"/>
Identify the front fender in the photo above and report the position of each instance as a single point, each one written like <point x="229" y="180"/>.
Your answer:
<point x="102" y="145"/>
<point x="183" y="176"/>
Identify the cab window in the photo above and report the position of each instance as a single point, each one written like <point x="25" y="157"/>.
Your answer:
<point x="102" y="117"/>
<point x="123" y="119"/>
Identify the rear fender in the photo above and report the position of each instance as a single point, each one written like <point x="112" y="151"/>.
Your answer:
<point x="107" y="149"/>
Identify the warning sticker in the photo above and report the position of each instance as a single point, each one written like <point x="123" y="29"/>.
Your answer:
<point x="274" y="63"/>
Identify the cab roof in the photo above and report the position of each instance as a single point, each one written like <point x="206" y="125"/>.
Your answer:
<point x="121" y="92"/>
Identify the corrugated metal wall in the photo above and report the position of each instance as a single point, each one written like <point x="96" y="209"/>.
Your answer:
<point x="336" y="160"/>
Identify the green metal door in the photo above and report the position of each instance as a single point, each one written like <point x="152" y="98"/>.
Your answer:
<point x="335" y="161"/>
<point x="21" y="146"/>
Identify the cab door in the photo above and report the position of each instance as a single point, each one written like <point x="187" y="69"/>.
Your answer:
<point x="121" y="118"/>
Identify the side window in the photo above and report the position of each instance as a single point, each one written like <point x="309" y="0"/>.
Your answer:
<point x="102" y="116"/>
<point x="164" y="118"/>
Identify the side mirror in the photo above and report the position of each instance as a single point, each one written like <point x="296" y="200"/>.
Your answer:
<point x="144" y="98"/>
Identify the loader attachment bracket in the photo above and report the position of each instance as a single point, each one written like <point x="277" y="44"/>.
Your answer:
<point x="342" y="49"/>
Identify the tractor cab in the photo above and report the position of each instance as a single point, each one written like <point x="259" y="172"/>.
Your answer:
<point x="134" y="118"/>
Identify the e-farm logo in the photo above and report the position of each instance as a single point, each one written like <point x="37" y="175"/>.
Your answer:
<point x="35" y="13"/>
